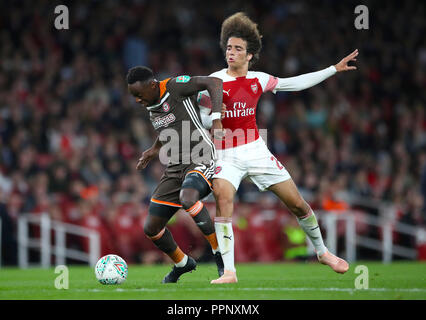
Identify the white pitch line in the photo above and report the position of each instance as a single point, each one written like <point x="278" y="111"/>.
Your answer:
<point x="350" y="290"/>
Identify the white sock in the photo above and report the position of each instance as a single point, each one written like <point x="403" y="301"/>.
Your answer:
<point x="182" y="262"/>
<point x="310" y="225"/>
<point x="225" y="240"/>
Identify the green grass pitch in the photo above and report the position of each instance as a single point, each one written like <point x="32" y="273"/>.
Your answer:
<point x="305" y="281"/>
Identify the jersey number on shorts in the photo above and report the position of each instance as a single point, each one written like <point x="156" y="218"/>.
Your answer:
<point x="201" y="168"/>
<point x="206" y="171"/>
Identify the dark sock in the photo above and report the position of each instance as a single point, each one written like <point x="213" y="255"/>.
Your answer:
<point x="164" y="241"/>
<point x="204" y="222"/>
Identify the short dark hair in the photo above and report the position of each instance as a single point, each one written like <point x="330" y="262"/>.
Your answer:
<point x="139" y="73"/>
<point x="239" y="25"/>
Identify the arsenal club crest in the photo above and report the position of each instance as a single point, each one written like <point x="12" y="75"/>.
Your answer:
<point x="254" y="88"/>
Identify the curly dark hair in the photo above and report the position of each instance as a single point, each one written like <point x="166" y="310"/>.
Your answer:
<point x="239" y="25"/>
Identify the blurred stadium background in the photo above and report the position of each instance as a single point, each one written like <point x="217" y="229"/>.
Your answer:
<point x="70" y="134"/>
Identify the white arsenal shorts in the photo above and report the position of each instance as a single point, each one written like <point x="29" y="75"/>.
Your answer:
<point x="253" y="161"/>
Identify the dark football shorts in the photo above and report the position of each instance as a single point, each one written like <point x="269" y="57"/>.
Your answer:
<point x="165" y="198"/>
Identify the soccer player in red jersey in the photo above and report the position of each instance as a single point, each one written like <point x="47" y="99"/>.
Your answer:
<point x="243" y="153"/>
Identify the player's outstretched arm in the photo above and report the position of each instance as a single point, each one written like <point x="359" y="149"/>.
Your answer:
<point x="308" y="80"/>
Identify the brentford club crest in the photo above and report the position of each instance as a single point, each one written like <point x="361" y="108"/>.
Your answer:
<point x="166" y="107"/>
<point x="254" y="88"/>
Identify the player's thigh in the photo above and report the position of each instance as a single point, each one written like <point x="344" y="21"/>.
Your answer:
<point x="164" y="204"/>
<point x="167" y="191"/>
<point x="223" y="189"/>
<point x="227" y="178"/>
<point x="289" y="194"/>
<point x="266" y="171"/>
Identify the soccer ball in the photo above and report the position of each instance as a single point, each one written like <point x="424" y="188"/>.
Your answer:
<point x="111" y="269"/>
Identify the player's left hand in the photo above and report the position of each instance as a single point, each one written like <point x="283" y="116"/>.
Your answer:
<point x="343" y="64"/>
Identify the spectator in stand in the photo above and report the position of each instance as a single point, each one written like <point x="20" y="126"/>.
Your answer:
<point x="8" y="239"/>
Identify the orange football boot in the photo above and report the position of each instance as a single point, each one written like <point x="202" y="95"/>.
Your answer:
<point x="337" y="264"/>
<point x="227" y="277"/>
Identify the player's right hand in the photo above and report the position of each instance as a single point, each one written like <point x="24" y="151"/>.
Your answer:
<point x="147" y="156"/>
<point x="222" y="112"/>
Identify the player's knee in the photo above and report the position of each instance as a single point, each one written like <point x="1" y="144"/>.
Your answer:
<point x="187" y="203"/>
<point x="147" y="229"/>
<point x="188" y="198"/>
<point x="150" y="229"/>
<point x="218" y="193"/>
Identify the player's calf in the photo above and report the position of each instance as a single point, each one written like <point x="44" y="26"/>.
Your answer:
<point x="189" y="199"/>
<point x="163" y="239"/>
<point x="224" y="199"/>
<point x="203" y="220"/>
<point x="201" y="216"/>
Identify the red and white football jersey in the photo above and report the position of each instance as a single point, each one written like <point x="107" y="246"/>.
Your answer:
<point x="240" y="95"/>
<point x="243" y="153"/>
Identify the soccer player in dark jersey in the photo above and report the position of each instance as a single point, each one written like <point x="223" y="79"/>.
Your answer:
<point x="174" y="113"/>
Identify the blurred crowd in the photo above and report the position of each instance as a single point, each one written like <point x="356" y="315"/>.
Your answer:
<point x="70" y="134"/>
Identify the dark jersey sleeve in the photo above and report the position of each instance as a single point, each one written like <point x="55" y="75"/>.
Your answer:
<point x="182" y="87"/>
